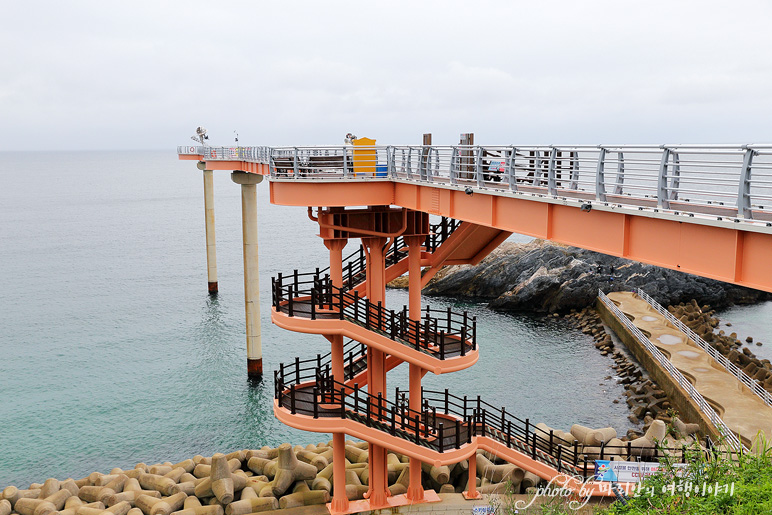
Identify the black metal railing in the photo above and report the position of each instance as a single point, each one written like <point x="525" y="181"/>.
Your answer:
<point x="327" y="398"/>
<point x="445" y="421"/>
<point x="440" y="333"/>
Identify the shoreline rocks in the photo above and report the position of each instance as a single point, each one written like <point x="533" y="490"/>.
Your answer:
<point x="705" y="325"/>
<point x="646" y="401"/>
<point x="547" y="277"/>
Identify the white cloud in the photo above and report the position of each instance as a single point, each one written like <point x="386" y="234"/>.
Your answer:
<point x="89" y="74"/>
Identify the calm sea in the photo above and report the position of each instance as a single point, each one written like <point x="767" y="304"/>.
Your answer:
<point x="112" y="352"/>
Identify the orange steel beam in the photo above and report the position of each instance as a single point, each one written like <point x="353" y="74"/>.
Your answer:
<point x="722" y="251"/>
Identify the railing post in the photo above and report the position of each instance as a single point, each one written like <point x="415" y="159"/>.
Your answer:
<point x="675" y="179"/>
<point x="316" y="402"/>
<point x="290" y="302"/>
<point x="478" y="168"/>
<point x="600" y="179"/>
<point x="340" y="302"/>
<point x="744" y="187"/>
<point x="292" y="399"/>
<point x="552" y="185"/>
<point x="560" y="459"/>
<point x="453" y="171"/>
<point x="313" y="303"/>
<point x="458" y="434"/>
<point x="442" y="345"/>
<point x="510" y="167"/>
<point x="576" y="453"/>
<point x="390" y="167"/>
<point x="441" y="432"/>
<point x="663" y="200"/>
<point x="277" y="389"/>
<point x="342" y="402"/>
<point x="620" y="180"/>
<point x="574" y="157"/>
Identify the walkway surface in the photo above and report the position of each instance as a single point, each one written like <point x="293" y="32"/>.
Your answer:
<point x="455" y="504"/>
<point x="741" y="410"/>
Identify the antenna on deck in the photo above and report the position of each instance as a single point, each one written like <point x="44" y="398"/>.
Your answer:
<point x="237" y="138"/>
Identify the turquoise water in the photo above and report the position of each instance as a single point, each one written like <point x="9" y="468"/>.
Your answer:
<point x="113" y="352"/>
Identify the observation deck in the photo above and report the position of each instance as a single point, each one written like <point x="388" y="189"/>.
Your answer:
<point x="701" y="209"/>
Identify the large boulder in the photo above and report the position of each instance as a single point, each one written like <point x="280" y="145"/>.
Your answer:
<point x="547" y="277"/>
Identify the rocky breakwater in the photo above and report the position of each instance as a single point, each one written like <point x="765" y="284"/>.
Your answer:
<point x="644" y="398"/>
<point x="701" y="321"/>
<point x="245" y="482"/>
<point x="659" y="438"/>
<point x="647" y="402"/>
<point x="546" y="277"/>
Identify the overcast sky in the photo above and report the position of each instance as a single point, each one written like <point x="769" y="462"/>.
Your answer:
<point x="143" y="74"/>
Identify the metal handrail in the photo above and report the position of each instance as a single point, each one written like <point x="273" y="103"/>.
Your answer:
<point x="621" y="174"/>
<point x="434" y="334"/>
<point x="730" y="367"/>
<point x="445" y="421"/>
<point x="677" y="376"/>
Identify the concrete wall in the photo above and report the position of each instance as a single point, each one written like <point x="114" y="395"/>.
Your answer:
<point x="679" y="398"/>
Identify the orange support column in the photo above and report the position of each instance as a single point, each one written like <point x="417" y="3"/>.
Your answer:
<point x="340" y="502"/>
<point x="471" y="488"/>
<point x="336" y="276"/>
<point x="415" y="491"/>
<point x="376" y="369"/>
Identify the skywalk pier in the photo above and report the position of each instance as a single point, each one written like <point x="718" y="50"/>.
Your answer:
<point x="701" y="209"/>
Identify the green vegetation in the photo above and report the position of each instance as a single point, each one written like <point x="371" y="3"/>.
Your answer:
<point x="708" y="485"/>
<point x="714" y="484"/>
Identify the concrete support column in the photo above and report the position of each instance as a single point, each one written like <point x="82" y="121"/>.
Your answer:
<point x="340" y="502"/>
<point x="211" y="249"/>
<point x="248" y="182"/>
<point x="415" y="491"/>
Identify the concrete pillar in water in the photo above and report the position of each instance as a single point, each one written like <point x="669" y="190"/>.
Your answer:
<point x="248" y="182"/>
<point x="211" y="250"/>
<point x="415" y="491"/>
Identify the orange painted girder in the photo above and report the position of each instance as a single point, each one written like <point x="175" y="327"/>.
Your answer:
<point x="729" y="254"/>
